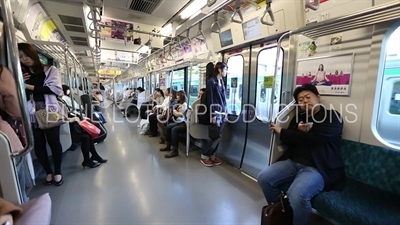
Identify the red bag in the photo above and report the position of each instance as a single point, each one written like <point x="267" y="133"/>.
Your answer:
<point x="90" y="128"/>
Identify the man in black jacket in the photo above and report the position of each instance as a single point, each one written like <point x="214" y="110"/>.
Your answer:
<point x="312" y="162"/>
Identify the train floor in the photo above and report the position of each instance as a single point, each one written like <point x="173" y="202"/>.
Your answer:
<point x="139" y="186"/>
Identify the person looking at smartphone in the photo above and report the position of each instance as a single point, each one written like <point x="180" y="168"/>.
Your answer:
<point x="312" y="162"/>
<point x="43" y="86"/>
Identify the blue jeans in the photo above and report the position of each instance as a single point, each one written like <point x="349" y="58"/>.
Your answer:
<point x="306" y="183"/>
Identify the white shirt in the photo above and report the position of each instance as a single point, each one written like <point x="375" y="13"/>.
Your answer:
<point x="165" y="103"/>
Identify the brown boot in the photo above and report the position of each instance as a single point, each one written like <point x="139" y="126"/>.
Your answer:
<point x="167" y="148"/>
<point x="173" y="153"/>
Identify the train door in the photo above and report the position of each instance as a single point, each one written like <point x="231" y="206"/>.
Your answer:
<point x="261" y="98"/>
<point x="237" y="80"/>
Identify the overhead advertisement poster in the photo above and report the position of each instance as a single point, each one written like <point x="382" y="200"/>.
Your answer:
<point x="246" y="6"/>
<point x="41" y="27"/>
<point x="116" y="31"/>
<point x="251" y="29"/>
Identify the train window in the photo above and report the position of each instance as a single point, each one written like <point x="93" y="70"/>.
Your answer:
<point x="178" y="79"/>
<point x="265" y="72"/>
<point x="234" y="84"/>
<point x="157" y="80"/>
<point x="386" y="116"/>
<point x="194" y="84"/>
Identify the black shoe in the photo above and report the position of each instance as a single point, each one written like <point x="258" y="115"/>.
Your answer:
<point x="59" y="183"/>
<point x="167" y="148"/>
<point x="49" y="182"/>
<point x="90" y="164"/>
<point x="99" y="159"/>
<point x="171" y="154"/>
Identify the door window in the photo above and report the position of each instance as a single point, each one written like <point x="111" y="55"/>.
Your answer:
<point x="265" y="73"/>
<point x="234" y="84"/>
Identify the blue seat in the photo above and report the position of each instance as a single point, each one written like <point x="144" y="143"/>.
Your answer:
<point x="372" y="192"/>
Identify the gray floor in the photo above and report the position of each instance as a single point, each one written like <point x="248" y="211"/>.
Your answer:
<point x="139" y="186"/>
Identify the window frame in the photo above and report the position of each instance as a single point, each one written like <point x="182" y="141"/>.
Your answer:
<point x="226" y="83"/>
<point x="258" y="57"/>
<point x="380" y="80"/>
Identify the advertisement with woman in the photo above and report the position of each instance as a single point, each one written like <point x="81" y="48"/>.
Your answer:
<point x="331" y="74"/>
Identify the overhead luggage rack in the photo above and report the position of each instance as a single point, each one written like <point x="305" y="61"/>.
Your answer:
<point x="367" y="17"/>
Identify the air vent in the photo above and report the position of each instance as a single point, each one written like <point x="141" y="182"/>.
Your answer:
<point x="144" y="6"/>
<point x="81" y="43"/>
<point x="78" y="38"/>
<point x="77" y="21"/>
<point x="74" y="29"/>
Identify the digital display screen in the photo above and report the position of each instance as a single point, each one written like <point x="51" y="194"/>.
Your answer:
<point x="251" y="29"/>
<point x="43" y="59"/>
<point x="226" y="38"/>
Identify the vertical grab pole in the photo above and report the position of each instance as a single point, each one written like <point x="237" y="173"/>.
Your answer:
<point x="16" y="70"/>
<point x="69" y="78"/>
<point x="278" y="52"/>
<point x="77" y="83"/>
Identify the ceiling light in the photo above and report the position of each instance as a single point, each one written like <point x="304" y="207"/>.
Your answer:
<point x="192" y="8"/>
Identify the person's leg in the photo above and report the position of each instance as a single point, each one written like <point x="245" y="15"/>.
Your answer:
<point x="308" y="183"/>
<point x="208" y="157"/>
<point x="168" y="136"/>
<point x="80" y="138"/>
<point x="275" y="175"/>
<point x="41" y="153"/>
<point x="153" y="123"/>
<point x="175" y="132"/>
<point x="93" y="151"/>
<point x="53" y="139"/>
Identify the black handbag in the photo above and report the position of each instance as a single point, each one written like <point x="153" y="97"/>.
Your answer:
<point x="214" y="132"/>
<point x="277" y="213"/>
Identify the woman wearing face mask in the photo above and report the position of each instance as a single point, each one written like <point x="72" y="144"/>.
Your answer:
<point x="43" y="86"/>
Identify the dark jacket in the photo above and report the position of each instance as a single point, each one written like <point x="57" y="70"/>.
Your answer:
<point x="216" y="96"/>
<point x="323" y="140"/>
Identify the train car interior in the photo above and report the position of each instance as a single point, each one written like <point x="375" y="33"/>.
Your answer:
<point x="200" y="112"/>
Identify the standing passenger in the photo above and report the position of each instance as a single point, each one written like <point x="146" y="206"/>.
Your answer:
<point x="217" y="105"/>
<point x="43" y="86"/>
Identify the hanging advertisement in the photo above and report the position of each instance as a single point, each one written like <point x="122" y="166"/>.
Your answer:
<point x="245" y="7"/>
<point x="109" y="72"/>
<point x="330" y="74"/>
<point x="116" y="31"/>
<point x="199" y="46"/>
<point x="41" y="27"/>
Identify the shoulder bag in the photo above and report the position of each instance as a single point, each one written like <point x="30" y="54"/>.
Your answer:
<point x="277" y="213"/>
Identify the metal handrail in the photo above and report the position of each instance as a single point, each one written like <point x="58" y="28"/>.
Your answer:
<point x="211" y="2"/>
<point x="284" y="110"/>
<point x="268" y="11"/>
<point x="11" y="43"/>
<point x="215" y="23"/>
<point x="278" y="52"/>
<point x="238" y="12"/>
<point x="77" y="83"/>
<point x="314" y="7"/>
<point x="67" y="73"/>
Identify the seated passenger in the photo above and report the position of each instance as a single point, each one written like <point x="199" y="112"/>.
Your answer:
<point x="10" y="110"/>
<point x="177" y="127"/>
<point x="201" y="92"/>
<point x="156" y="99"/>
<point x="166" y="116"/>
<point x="9" y="213"/>
<point x="87" y="144"/>
<point x="312" y="162"/>
<point x="160" y="111"/>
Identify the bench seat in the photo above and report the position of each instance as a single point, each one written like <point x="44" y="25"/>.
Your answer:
<point x="357" y="204"/>
<point x="375" y="200"/>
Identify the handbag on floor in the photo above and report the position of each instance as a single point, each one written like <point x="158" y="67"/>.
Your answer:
<point x="277" y="213"/>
